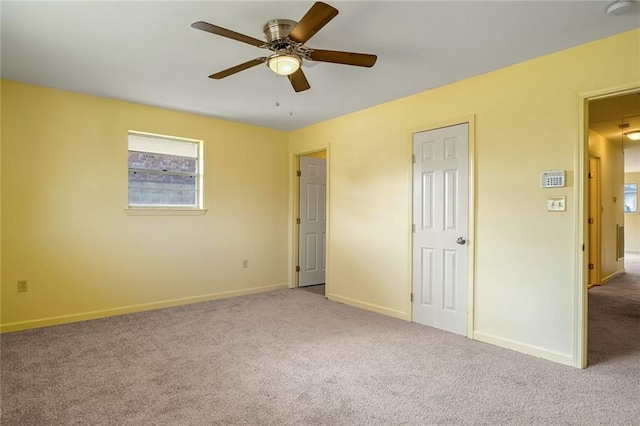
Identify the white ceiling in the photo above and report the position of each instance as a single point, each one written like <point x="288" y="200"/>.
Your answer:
<point x="147" y="52"/>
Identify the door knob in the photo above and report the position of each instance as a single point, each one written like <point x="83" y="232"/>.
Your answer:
<point x="461" y="241"/>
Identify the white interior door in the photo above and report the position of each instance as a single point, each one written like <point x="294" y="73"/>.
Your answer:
<point x="440" y="216"/>
<point x="313" y="221"/>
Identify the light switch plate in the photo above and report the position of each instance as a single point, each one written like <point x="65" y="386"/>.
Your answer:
<point x="556" y="204"/>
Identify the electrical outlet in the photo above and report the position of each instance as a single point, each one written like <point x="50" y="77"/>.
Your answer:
<point x="245" y="263"/>
<point x="22" y="286"/>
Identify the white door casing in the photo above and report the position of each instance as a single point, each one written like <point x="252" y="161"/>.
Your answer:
<point x="440" y="217"/>
<point x="313" y="221"/>
<point x="594" y="222"/>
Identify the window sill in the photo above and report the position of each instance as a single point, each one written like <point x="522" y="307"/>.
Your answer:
<point x="151" y="211"/>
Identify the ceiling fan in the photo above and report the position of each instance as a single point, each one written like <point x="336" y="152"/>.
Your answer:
<point x="287" y="38"/>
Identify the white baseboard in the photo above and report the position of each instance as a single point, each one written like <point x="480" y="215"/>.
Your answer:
<point x="370" y="307"/>
<point x="524" y="348"/>
<point x="65" y="319"/>
<point x="610" y="277"/>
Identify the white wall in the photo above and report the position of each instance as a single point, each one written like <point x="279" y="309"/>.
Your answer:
<point x="632" y="220"/>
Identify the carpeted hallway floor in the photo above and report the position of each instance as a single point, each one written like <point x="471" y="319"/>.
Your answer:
<point x="614" y="317"/>
<point x="292" y="357"/>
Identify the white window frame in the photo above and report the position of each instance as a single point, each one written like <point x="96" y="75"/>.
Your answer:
<point x="169" y="210"/>
<point x="630" y="192"/>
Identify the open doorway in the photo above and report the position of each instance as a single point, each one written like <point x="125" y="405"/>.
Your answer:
<point x="311" y="221"/>
<point x="613" y="227"/>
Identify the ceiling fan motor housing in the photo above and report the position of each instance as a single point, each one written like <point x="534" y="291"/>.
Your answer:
<point x="286" y="39"/>
<point x="276" y="32"/>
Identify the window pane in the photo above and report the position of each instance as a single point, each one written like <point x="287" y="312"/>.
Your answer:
<point x="631" y="197"/>
<point x="162" y="162"/>
<point x="155" y="197"/>
<point x="163" y="181"/>
<point x="163" y="172"/>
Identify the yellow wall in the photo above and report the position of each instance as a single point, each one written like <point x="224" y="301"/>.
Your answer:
<point x="611" y="197"/>
<point x="632" y="221"/>
<point x="526" y="122"/>
<point x="64" y="191"/>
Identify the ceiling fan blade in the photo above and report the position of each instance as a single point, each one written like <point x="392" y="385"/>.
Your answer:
<point x="299" y="81"/>
<point x="346" y="58"/>
<point x="237" y="68"/>
<point x="214" y="29"/>
<point x="315" y="18"/>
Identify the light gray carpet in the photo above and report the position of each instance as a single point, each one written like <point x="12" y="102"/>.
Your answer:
<point x="292" y="357"/>
<point x="614" y="318"/>
<point x="317" y="289"/>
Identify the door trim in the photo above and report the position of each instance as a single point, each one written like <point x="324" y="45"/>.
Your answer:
<point x="471" y="240"/>
<point x="580" y="305"/>
<point x="294" y="210"/>
<point x="597" y="247"/>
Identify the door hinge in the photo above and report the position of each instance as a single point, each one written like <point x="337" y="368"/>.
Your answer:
<point x="591" y="221"/>
<point x="591" y="266"/>
<point x="413" y="228"/>
<point x="413" y="159"/>
<point x="411" y="297"/>
<point x="591" y="175"/>
<point x="298" y="221"/>
<point x="583" y="247"/>
<point x="298" y="173"/>
<point x="297" y="269"/>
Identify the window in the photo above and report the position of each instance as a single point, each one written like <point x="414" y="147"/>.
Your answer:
<point x="164" y="172"/>
<point x="631" y="198"/>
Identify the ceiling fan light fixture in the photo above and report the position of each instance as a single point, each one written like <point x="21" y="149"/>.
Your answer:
<point x="619" y="7"/>
<point x="284" y="63"/>
<point x="634" y="136"/>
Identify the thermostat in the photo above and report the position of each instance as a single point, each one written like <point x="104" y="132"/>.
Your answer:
<point x="552" y="179"/>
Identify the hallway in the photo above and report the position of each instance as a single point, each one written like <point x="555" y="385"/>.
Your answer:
<point x="614" y="319"/>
